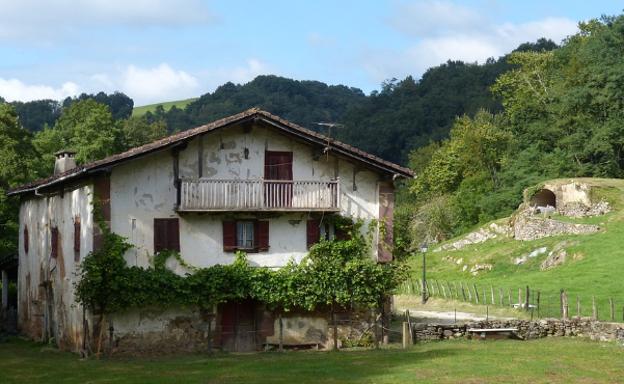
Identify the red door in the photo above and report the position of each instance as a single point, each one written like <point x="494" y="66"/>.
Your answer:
<point x="277" y="167"/>
<point x="238" y="326"/>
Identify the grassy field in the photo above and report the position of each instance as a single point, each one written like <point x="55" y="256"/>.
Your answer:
<point x="503" y="361"/>
<point x="140" y="111"/>
<point x="594" y="267"/>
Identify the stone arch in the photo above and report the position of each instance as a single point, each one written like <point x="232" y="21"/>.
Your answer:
<point x="544" y="198"/>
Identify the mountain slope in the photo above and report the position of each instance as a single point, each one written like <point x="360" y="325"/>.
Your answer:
<point x="593" y="265"/>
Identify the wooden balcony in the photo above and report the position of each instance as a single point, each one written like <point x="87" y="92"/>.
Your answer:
<point x="208" y="195"/>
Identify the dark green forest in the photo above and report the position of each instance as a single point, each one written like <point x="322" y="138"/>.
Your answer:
<point x="476" y="134"/>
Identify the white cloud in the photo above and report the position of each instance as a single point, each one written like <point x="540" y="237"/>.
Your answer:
<point x="44" y="19"/>
<point x="14" y="89"/>
<point x="147" y="85"/>
<point x="442" y="30"/>
<point x="237" y="74"/>
<point x="432" y="17"/>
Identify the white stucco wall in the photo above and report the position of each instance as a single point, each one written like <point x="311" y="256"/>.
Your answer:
<point x="40" y="214"/>
<point x="143" y="189"/>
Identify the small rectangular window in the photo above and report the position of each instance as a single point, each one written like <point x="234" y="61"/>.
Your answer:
<point x="77" y="238"/>
<point x="26" y="240"/>
<point x="245" y="235"/>
<point x="166" y="235"/>
<point x="54" y="243"/>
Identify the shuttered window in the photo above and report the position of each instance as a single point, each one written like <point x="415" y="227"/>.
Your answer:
<point x="166" y="235"/>
<point x="77" y="238"/>
<point x="26" y="240"/>
<point x="246" y="235"/>
<point x="54" y="243"/>
<point x="313" y="232"/>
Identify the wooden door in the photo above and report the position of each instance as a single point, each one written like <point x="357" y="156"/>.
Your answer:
<point x="277" y="167"/>
<point x="238" y="326"/>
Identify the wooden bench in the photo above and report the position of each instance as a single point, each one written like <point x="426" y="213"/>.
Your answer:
<point x="494" y="333"/>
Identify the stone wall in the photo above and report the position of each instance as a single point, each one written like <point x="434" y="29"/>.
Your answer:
<point x="527" y="227"/>
<point x="528" y="329"/>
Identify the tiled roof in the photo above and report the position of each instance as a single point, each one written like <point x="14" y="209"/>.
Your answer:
<point x="334" y="145"/>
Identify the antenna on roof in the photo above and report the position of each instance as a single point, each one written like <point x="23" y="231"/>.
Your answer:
<point x="329" y="126"/>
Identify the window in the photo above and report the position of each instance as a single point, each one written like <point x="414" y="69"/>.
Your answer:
<point x="77" y="238"/>
<point x="246" y="235"/>
<point x="166" y="235"/>
<point x="26" y="240"/>
<point x="54" y="242"/>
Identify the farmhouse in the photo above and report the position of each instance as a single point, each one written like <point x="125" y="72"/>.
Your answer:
<point x="252" y="182"/>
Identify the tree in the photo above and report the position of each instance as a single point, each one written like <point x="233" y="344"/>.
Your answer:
<point x="138" y="131"/>
<point x="86" y="127"/>
<point x="19" y="165"/>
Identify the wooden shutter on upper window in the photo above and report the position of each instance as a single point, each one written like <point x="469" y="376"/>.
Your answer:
<point x="26" y="239"/>
<point x="313" y="232"/>
<point x="77" y="235"/>
<point x="173" y="235"/>
<point x="160" y="235"/>
<point x="262" y="235"/>
<point x="229" y="236"/>
<point x="54" y="243"/>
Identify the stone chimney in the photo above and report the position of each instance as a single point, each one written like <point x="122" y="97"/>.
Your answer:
<point x="65" y="160"/>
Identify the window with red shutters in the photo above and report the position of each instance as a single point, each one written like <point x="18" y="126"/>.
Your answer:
<point x="26" y="240"/>
<point x="313" y="232"/>
<point x="77" y="238"/>
<point x="54" y="242"/>
<point x="246" y="235"/>
<point x="262" y="235"/>
<point x="166" y="235"/>
<point x="229" y="236"/>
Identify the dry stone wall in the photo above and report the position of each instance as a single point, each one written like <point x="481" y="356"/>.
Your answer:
<point x="527" y="330"/>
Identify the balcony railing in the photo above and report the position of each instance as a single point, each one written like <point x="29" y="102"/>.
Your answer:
<point x="258" y="195"/>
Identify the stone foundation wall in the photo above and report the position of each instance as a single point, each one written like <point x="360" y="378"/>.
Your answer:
<point x="528" y="329"/>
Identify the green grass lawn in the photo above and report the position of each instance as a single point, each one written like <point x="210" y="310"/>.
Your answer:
<point x="504" y="361"/>
<point x="140" y="111"/>
<point x="594" y="267"/>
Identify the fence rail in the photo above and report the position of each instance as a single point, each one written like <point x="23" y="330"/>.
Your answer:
<point x="258" y="195"/>
<point x="540" y="304"/>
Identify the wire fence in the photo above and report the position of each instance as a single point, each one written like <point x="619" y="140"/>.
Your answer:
<point x="539" y="304"/>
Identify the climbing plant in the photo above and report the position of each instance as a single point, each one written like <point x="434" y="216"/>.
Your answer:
<point x="336" y="273"/>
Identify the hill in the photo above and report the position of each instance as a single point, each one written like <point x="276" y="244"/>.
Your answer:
<point x="568" y="247"/>
<point x="142" y="110"/>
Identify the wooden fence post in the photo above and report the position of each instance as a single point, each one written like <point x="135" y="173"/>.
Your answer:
<point x="594" y="309"/>
<point x="612" y="309"/>
<point x="538" y="304"/>
<point x="526" y="299"/>
<point x="469" y="294"/>
<point x="492" y="292"/>
<point x="476" y="293"/>
<point x="437" y="283"/>
<point x="456" y="291"/>
<point x="519" y="297"/>
<point x="564" y="304"/>
<point x="443" y="290"/>
<point x="406" y="338"/>
<point x="448" y="286"/>
<point x="578" y="306"/>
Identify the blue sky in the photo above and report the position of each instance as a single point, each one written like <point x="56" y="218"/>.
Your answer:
<point x="159" y="50"/>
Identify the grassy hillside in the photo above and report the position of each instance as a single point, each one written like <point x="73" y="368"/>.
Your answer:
<point x="594" y="266"/>
<point x="140" y="111"/>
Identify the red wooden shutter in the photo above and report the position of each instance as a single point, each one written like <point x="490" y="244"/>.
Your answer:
<point x="262" y="235"/>
<point x="229" y="236"/>
<point x="26" y="240"/>
<point x="173" y="235"/>
<point x="160" y="235"/>
<point x="313" y="232"/>
<point x="54" y="243"/>
<point x="386" y="211"/>
<point x="77" y="234"/>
